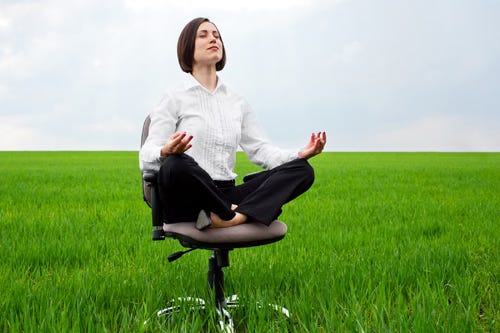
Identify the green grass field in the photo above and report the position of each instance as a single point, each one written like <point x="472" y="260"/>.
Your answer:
<point x="383" y="242"/>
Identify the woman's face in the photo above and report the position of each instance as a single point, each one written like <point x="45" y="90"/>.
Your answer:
<point x="208" y="45"/>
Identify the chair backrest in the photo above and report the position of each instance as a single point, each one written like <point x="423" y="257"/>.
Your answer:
<point x="146" y="191"/>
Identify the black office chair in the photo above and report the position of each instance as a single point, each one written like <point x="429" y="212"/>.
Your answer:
<point x="219" y="240"/>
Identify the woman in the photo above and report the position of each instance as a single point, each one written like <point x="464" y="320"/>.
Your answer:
<point x="194" y="134"/>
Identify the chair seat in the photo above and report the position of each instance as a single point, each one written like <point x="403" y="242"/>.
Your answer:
<point x="243" y="235"/>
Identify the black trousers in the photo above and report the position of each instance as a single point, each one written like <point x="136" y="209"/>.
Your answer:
<point x="186" y="189"/>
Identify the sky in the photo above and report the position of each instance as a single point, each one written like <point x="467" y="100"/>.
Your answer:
<point x="385" y="75"/>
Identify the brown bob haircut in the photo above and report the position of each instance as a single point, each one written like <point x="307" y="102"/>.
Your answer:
<point x="186" y="43"/>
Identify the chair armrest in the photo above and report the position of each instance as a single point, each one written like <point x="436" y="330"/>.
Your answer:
<point x="152" y="198"/>
<point x="150" y="176"/>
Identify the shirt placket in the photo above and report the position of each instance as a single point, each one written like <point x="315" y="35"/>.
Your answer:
<point x="220" y="128"/>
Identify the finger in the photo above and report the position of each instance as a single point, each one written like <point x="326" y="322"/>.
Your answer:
<point x="180" y="147"/>
<point x="185" y="144"/>
<point x="174" y="143"/>
<point x="186" y="140"/>
<point x="320" y="144"/>
<point x="321" y="137"/>
<point x="177" y="137"/>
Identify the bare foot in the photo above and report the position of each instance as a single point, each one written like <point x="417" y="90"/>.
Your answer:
<point x="217" y="222"/>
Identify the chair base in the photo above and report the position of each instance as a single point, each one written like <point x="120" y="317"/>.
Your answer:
<point x="225" y="320"/>
<point x="218" y="260"/>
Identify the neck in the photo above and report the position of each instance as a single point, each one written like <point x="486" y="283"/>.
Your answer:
<point x="207" y="76"/>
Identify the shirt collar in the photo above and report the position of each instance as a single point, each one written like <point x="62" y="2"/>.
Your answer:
<point x="190" y="82"/>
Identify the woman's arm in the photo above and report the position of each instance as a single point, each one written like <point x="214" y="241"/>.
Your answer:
<point x="161" y="129"/>
<point x="261" y="152"/>
<point x="256" y="145"/>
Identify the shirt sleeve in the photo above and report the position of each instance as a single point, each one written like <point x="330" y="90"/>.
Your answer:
<point x="257" y="147"/>
<point x="162" y="126"/>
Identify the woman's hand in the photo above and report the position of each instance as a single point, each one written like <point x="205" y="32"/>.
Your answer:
<point x="314" y="146"/>
<point x="177" y="144"/>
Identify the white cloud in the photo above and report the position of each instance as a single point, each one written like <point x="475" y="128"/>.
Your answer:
<point x="220" y="5"/>
<point x="4" y="23"/>
<point x="354" y="68"/>
<point x="3" y="91"/>
<point x="15" y="134"/>
<point x="349" y="53"/>
<point x="440" y="133"/>
<point x="32" y="43"/>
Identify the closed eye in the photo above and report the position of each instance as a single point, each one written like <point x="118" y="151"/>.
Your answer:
<point x="205" y="33"/>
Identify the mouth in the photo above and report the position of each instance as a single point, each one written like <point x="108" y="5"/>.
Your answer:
<point x="213" y="48"/>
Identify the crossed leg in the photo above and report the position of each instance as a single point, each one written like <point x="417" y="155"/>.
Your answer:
<point x="186" y="189"/>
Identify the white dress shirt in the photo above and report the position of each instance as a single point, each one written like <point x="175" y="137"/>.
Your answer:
<point x="219" y="121"/>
